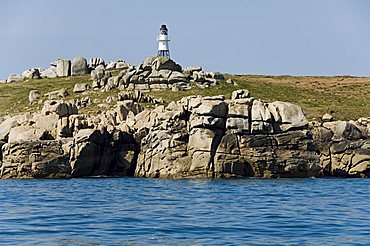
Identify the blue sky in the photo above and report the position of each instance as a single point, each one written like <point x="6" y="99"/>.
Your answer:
<point x="296" y="37"/>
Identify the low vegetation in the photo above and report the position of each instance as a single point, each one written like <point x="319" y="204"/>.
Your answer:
<point x="344" y="97"/>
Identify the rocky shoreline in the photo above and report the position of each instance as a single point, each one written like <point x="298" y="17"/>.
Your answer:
<point x="195" y="137"/>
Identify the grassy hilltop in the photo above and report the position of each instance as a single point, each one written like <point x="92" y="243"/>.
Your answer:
<point x="344" y="97"/>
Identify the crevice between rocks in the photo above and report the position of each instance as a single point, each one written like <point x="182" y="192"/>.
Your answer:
<point x="217" y="141"/>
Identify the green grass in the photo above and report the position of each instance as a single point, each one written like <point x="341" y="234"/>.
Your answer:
<point x="14" y="96"/>
<point x="343" y="102"/>
<point x="316" y="95"/>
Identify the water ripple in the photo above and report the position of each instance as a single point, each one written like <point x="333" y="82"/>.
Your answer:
<point x="132" y="211"/>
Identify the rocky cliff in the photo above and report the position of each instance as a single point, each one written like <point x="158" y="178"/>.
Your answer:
<point x="194" y="137"/>
<point x="197" y="136"/>
<point x="214" y="137"/>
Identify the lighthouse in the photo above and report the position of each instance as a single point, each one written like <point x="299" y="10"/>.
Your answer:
<point x="163" y="47"/>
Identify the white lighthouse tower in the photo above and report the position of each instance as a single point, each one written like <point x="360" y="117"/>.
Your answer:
<point x="163" y="47"/>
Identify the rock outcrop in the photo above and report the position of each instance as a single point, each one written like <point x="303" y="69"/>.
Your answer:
<point x="33" y="96"/>
<point x="90" y="153"/>
<point x="80" y="87"/>
<point x="197" y="137"/>
<point x="33" y="73"/>
<point x="61" y="93"/>
<point x="34" y="159"/>
<point x="344" y="149"/>
<point x="60" y="107"/>
<point x="49" y="73"/>
<point x="96" y="62"/>
<point x="60" y="143"/>
<point x="97" y="152"/>
<point x="79" y="66"/>
<point x="214" y="137"/>
<point x="8" y="124"/>
<point x="153" y="74"/>
<point x="62" y="67"/>
<point x="13" y="78"/>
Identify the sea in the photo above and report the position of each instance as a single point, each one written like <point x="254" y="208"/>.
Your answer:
<point x="138" y="211"/>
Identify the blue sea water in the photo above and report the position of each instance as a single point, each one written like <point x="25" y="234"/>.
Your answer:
<point x="133" y="211"/>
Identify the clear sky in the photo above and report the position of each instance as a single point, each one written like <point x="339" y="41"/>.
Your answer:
<point x="296" y="37"/>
